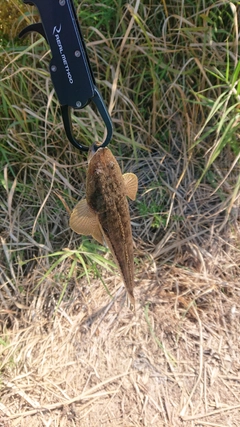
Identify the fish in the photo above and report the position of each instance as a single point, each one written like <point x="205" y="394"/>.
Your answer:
<point x="104" y="213"/>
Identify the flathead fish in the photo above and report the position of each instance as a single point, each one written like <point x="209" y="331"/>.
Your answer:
<point x="104" y="213"/>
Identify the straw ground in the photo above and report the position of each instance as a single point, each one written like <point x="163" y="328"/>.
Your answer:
<point x="72" y="352"/>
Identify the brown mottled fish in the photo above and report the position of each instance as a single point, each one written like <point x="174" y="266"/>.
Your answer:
<point x="104" y="213"/>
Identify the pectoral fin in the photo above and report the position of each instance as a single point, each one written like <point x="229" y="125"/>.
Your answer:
<point x="83" y="220"/>
<point x="131" y="185"/>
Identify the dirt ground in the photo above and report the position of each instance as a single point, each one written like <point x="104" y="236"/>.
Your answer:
<point x="175" y="362"/>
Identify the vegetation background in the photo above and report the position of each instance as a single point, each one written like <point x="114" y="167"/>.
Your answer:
<point x="71" y="351"/>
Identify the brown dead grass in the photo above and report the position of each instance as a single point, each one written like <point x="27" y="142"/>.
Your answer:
<point x="90" y="361"/>
<point x="93" y="362"/>
<point x="173" y="363"/>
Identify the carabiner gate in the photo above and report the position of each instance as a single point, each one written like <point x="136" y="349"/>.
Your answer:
<point x="67" y="122"/>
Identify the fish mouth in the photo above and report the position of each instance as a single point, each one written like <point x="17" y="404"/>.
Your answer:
<point x="92" y="150"/>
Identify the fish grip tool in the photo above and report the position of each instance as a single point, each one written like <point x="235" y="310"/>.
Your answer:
<point x="70" y="68"/>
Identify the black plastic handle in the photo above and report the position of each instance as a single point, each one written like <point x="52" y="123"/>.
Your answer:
<point x="70" y="69"/>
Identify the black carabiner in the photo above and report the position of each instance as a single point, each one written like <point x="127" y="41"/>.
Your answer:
<point x="66" y="116"/>
<point x="70" y="68"/>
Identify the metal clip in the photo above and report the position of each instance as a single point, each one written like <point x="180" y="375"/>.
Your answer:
<point x="70" y="68"/>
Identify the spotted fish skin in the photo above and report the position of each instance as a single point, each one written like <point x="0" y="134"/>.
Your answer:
<point x="104" y="213"/>
<point x="106" y="196"/>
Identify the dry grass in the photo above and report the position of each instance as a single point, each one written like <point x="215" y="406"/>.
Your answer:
<point x="92" y="362"/>
<point x="71" y="351"/>
<point x="174" y="363"/>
